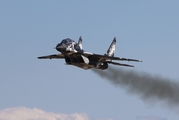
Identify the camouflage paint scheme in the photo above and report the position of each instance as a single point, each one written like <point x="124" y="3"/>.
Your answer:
<point x="74" y="54"/>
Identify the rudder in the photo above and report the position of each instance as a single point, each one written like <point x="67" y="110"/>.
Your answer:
<point x="111" y="49"/>
<point x="80" y="43"/>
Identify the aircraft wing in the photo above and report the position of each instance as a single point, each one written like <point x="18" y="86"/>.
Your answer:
<point x="105" y="57"/>
<point x="114" y="63"/>
<point x="57" y="56"/>
<point x="91" y="56"/>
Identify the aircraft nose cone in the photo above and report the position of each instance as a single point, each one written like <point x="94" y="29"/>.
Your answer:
<point x="56" y="47"/>
<point x="59" y="48"/>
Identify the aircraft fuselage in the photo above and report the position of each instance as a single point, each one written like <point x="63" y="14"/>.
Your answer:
<point x="73" y="54"/>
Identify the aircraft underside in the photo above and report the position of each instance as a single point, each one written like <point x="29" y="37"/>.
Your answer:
<point x="80" y="62"/>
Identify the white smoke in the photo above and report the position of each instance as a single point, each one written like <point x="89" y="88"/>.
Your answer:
<point x="23" y="113"/>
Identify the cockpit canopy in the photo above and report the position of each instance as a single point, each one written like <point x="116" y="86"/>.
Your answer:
<point x="67" y="40"/>
<point x="66" y="45"/>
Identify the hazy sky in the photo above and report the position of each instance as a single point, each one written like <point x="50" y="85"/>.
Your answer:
<point x="49" y="89"/>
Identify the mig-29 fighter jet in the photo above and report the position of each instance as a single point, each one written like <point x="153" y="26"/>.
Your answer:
<point x="74" y="54"/>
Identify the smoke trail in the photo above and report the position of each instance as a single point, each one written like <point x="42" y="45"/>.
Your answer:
<point x="147" y="86"/>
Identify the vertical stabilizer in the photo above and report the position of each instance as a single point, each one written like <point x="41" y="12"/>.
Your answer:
<point x="111" y="49"/>
<point x="80" y="43"/>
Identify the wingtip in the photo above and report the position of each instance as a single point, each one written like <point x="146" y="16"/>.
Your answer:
<point x="139" y="61"/>
<point x="41" y="57"/>
<point x="130" y="66"/>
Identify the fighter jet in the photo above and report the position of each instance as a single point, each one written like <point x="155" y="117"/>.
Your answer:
<point x="74" y="54"/>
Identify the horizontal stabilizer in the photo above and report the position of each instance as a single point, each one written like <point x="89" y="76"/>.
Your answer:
<point x="114" y="63"/>
<point x="105" y="57"/>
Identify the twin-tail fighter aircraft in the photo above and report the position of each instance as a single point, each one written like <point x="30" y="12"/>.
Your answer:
<point x="74" y="54"/>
